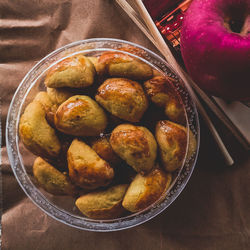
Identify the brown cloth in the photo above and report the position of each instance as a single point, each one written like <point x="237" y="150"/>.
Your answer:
<point x="213" y="211"/>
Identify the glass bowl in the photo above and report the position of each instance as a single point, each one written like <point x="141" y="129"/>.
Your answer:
<point x="60" y="207"/>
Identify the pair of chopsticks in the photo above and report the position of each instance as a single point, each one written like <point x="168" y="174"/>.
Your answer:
<point x="144" y="21"/>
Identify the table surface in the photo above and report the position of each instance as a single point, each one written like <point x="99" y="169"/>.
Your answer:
<point x="211" y="213"/>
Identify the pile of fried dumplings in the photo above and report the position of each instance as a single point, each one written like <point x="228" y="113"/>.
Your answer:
<point x="109" y="130"/>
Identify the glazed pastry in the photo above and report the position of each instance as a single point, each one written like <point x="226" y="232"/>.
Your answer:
<point x="134" y="50"/>
<point x="48" y="105"/>
<point x="74" y="72"/>
<point x="59" y="95"/>
<point x="175" y="110"/>
<point x="156" y="73"/>
<point x="160" y="91"/>
<point x="123" y="98"/>
<point x="45" y="100"/>
<point x="52" y="180"/>
<point x="37" y="135"/>
<point x="93" y="59"/>
<point x="80" y="116"/>
<point x="136" y="145"/>
<point x="86" y="168"/>
<point x="122" y="65"/>
<point x="145" y="190"/>
<point x="103" y="148"/>
<point x="103" y="204"/>
<point x="99" y="68"/>
<point x="172" y="140"/>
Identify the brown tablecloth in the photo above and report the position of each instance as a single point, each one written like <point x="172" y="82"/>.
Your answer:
<point x="213" y="211"/>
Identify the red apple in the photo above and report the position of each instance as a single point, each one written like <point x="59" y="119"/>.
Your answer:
<point x="215" y="45"/>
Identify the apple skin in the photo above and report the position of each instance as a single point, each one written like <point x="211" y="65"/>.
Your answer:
<point x="217" y="59"/>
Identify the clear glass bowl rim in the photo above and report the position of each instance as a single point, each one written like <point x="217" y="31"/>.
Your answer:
<point x="59" y="214"/>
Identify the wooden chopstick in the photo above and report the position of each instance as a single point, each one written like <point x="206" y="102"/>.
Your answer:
<point x="134" y="16"/>
<point x="164" y="49"/>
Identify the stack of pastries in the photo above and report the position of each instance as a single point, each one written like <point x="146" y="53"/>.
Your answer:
<point x="109" y="131"/>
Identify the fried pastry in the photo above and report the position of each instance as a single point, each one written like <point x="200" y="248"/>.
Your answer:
<point x="99" y="67"/>
<point x="74" y="72"/>
<point x="123" y="98"/>
<point x="93" y="59"/>
<point x="122" y="65"/>
<point x="86" y="169"/>
<point x="105" y="204"/>
<point x="80" y="116"/>
<point x="117" y="168"/>
<point x="136" y="145"/>
<point x="172" y="140"/>
<point x="160" y="91"/>
<point x="48" y="105"/>
<point x="37" y="135"/>
<point x="45" y="100"/>
<point x="52" y="180"/>
<point x="59" y="95"/>
<point x="175" y="110"/>
<point x="103" y="148"/>
<point x="145" y="190"/>
<point x="134" y="50"/>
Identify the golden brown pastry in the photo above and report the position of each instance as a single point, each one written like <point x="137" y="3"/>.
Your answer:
<point x="123" y="98"/>
<point x="86" y="168"/>
<point x="160" y="91"/>
<point x="93" y="59"/>
<point x="103" y="148"/>
<point x="48" y="105"/>
<point x="136" y="145"/>
<point x="175" y="110"/>
<point x="99" y="68"/>
<point x="145" y="190"/>
<point x="103" y="204"/>
<point x="56" y="97"/>
<point x="134" y="50"/>
<point x="172" y="141"/>
<point x="74" y="72"/>
<point x="37" y="135"/>
<point x="122" y="65"/>
<point x="52" y="180"/>
<point x="80" y="116"/>
<point x="156" y="73"/>
<point x="59" y="95"/>
<point x="44" y="99"/>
